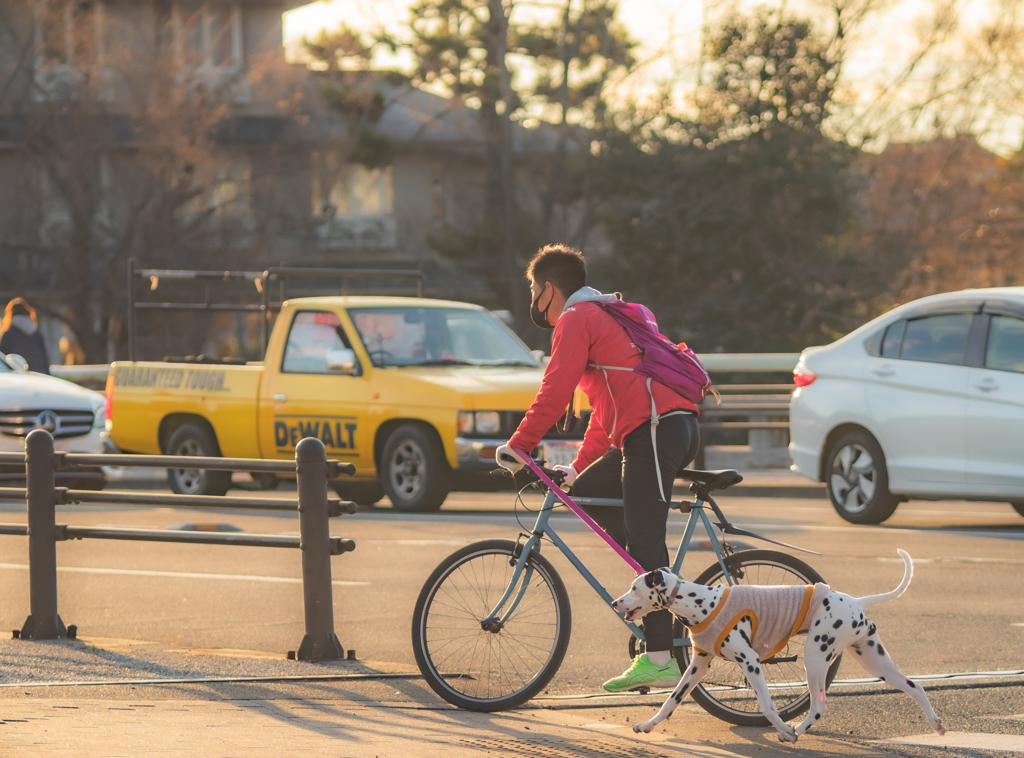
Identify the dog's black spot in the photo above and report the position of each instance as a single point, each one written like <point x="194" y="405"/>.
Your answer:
<point x="838" y="624"/>
<point x="911" y="684"/>
<point x="825" y="602"/>
<point x="653" y="579"/>
<point x="871" y="643"/>
<point x="817" y="622"/>
<point x="858" y="651"/>
<point x="824" y="647"/>
<point x="750" y="668"/>
<point x="880" y="650"/>
<point x="817" y="716"/>
<point x="699" y="602"/>
<point x="757" y="670"/>
<point x="712" y="603"/>
<point x="692" y="594"/>
<point x="678" y="697"/>
<point x="817" y="638"/>
<point x="694" y="671"/>
<point x="872" y="628"/>
<point x="702" y="654"/>
<point x="746" y="639"/>
<point x="882" y="678"/>
<point x="726" y="638"/>
<point x="828" y="657"/>
<point x="704" y="612"/>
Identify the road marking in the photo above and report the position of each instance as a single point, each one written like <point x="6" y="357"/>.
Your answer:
<point x="1011" y="743"/>
<point x="182" y="575"/>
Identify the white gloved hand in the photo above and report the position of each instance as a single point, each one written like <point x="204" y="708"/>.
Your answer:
<point x="508" y="458"/>
<point x="570" y="473"/>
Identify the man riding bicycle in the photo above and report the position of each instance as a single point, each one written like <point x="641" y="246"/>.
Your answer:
<point x="619" y="457"/>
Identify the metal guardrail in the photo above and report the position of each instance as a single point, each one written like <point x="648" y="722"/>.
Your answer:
<point x="714" y="362"/>
<point x="313" y="471"/>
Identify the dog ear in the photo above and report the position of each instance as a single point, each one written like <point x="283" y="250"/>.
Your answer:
<point x="653" y="578"/>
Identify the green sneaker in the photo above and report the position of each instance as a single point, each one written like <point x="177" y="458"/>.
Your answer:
<point x="643" y="673"/>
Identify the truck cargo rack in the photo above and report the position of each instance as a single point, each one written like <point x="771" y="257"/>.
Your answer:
<point x="261" y="280"/>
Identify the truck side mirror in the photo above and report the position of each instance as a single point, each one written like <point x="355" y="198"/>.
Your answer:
<point x="341" y="360"/>
<point x="18" y="363"/>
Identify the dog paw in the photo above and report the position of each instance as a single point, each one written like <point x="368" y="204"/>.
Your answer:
<point x="788" y="734"/>
<point x="940" y="728"/>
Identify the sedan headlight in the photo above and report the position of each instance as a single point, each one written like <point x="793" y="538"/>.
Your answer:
<point x="479" y="422"/>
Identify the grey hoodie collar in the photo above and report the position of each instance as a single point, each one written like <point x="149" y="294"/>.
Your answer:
<point x="25" y="323"/>
<point x="588" y="295"/>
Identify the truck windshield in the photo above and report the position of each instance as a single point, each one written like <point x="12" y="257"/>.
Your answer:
<point x="410" y="336"/>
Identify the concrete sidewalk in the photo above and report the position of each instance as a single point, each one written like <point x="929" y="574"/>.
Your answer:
<point x="119" y="698"/>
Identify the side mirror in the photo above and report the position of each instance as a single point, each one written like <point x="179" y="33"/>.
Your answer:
<point x="18" y="363"/>
<point x="341" y="361"/>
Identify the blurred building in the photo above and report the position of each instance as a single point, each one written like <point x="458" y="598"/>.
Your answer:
<point x="176" y="133"/>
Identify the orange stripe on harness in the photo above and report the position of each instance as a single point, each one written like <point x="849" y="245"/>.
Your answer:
<point x="706" y="622"/>
<point x="732" y="624"/>
<point x="798" y="625"/>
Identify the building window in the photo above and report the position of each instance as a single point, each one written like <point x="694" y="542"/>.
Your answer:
<point x="69" y="43"/>
<point x="223" y="197"/>
<point x="208" y="35"/>
<point x="356" y="203"/>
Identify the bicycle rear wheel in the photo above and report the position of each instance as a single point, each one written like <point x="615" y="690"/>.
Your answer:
<point x="490" y="666"/>
<point x="725" y="692"/>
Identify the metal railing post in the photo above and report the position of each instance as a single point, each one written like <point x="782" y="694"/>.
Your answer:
<point x="43" y="622"/>
<point x="320" y="642"/>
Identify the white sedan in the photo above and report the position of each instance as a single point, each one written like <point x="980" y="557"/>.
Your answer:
<point x="75" y="416"/>
<point x="925" y="402"/>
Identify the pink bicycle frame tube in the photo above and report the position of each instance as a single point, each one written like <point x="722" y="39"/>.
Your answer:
<point x="579" y="512"/>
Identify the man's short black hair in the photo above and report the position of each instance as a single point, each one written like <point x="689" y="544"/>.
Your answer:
<point x="561" y="265"/>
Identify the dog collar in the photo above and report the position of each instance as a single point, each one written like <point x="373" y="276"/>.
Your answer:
<point x="675" y="591"/>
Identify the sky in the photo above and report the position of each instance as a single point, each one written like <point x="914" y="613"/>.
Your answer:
<point x="669" y="35"/>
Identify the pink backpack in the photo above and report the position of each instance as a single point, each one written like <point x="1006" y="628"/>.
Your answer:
<point x="675" y="366"/>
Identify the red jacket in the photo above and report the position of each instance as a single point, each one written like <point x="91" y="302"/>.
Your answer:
<point x="585" y="334"/>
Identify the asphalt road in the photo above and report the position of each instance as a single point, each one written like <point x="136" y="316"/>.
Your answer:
<point x="963" y="613"/>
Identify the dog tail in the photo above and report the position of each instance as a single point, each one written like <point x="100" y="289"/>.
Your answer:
<point x="873" y="599"/>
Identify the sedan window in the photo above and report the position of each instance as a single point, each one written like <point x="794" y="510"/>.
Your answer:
<point x="1005" y="348"/>
<point x="937" y="339"/>
<point x="891" y="340"/>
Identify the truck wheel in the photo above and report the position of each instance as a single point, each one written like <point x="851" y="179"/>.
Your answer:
<point x="857" y="479"/>
<point x="190" y="439"/>
<point x="360" y="493"/>
<point x="414" y="470"/>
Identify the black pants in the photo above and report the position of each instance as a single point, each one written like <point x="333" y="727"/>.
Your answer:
<point x="640" y="525"/>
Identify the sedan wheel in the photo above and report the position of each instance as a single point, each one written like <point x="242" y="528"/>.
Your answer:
<point x="853" y="479"/>
<point x="858" y="482"/>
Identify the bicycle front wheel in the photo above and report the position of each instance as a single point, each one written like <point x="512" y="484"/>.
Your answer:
<point x="485" y="664"/>
<point x="725" y="692"/>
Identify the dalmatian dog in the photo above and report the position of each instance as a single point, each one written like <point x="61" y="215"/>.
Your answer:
<point x="748" y="624"/>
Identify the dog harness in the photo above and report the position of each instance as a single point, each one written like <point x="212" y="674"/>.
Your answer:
<point x="776" y="614"/>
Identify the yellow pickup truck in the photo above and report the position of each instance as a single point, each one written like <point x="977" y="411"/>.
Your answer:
<point x="417" y="393"/>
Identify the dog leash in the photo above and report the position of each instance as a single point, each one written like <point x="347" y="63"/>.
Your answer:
<point x="579" y="511"/>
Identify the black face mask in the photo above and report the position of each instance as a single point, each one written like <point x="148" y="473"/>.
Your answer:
<point x="538" y="316"/>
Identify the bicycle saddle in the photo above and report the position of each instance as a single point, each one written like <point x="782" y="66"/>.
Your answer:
<point x="712" y="480"/>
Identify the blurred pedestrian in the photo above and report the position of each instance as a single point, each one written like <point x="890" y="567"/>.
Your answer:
<point x="20" y="335"/>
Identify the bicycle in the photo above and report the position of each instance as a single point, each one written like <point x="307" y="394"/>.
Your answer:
<point x="492" y="622"/>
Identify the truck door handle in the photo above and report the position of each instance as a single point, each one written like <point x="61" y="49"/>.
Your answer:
<point x="280" y="398"/>
<point x="883" y="371"/>
<point x="985" y="385"/>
